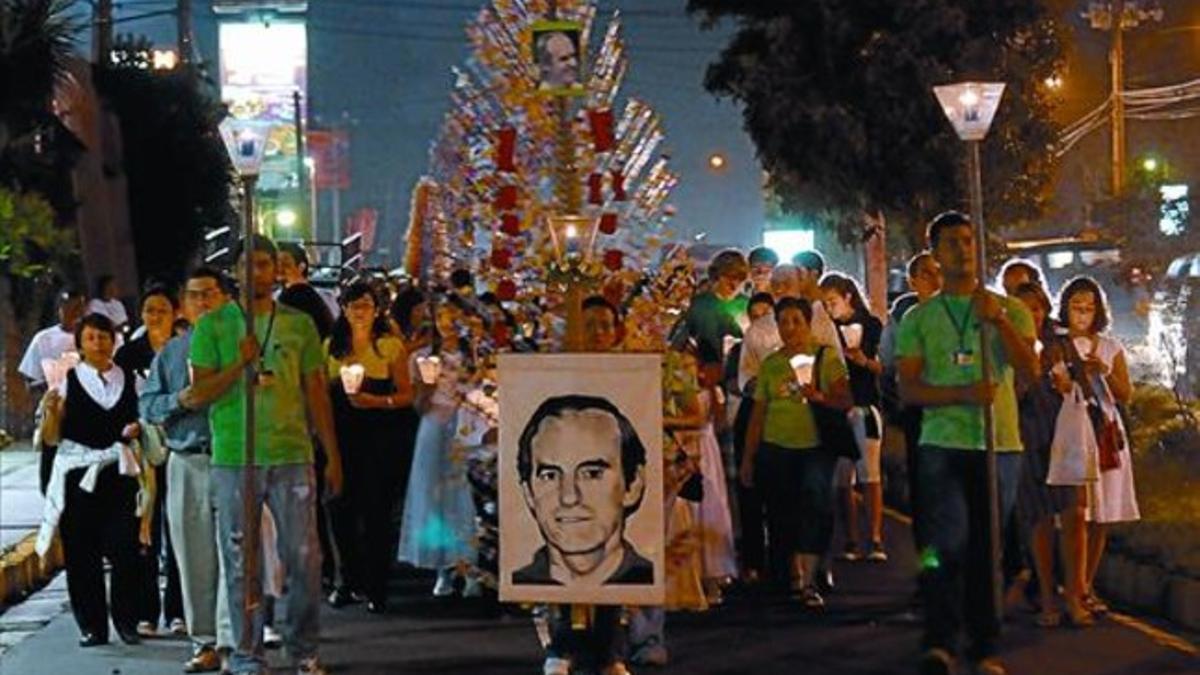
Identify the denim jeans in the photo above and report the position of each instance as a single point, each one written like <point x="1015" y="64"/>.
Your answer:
<point x="290" y="492"/>
<point x="955" y="564"/>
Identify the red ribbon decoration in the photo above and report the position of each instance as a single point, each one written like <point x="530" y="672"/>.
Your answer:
<point x="506" y="198"/>
<point x="618" y="185"/>
<point x="510" y="224"/>
<point x="601" y="122"/>
<point x="614" y="259"/>
<point x="595" y="189"/>
<point x="608" y="223"/>
<point x="501" y="258"/>
<point x="506" y="290"/>
<point x="506" y="148"/>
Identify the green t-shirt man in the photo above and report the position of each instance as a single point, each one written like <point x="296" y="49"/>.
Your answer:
<point x="711" y="318"/>
<point x="790" y="422"/>
<point x="944" y="334"/>
<point x="291" y="350"/>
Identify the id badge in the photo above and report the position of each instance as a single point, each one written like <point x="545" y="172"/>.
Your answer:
<point x="964" y="359"/>
<point x="266" y="378"/>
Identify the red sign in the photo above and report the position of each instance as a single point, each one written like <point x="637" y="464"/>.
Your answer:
<point x="363" y="221"/>
<point x="330" y="150"/>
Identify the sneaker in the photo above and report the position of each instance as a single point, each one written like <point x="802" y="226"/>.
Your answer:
<point x="205" y="660"/>
<point x="342" y="596"/>
<point x="271" y="638"/>
<point x="556" y="666"/>
<point x="444" y="587"/>
<point x="310" y="666"/>
<point x="850" y="552"/>
<point x="147" y="629"/>
<point x="178" y="627"/>
<point x="936" y="661"/>
<point x="877" y="553"/>
<point x="811" y="598"/>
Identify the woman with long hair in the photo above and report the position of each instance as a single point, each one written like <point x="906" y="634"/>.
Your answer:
<point x="1038" y="503"/>
<point x="373" y="396"/>
<point x="92" y="417"/>
<point x="1097" y="361"/>
<point x="438" y="524"/>
<point x="859" y="333"/>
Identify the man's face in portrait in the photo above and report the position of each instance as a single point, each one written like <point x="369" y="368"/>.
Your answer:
<point x="577" y="491"/>
<point x="559" y="62"/>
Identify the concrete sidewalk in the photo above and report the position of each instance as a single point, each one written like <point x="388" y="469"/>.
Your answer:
<point x="20" y="500"/>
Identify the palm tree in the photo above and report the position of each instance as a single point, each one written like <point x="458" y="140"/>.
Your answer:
<point x="36" y="41"/>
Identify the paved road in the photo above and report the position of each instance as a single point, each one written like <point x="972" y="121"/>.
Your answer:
<point x="868" y="627"/>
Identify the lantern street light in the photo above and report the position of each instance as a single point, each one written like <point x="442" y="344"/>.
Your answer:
<point x="245" y="141"/>
<point x="971" y="107"/>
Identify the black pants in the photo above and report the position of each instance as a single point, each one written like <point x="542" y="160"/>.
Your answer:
<point x="798" y="490"/>
<point x="170" y="605"/>
<point x="376" y="464"/>
<point x="751" y="543"/>
<point x="593" y="648"/>
<point x="329" y="561"/>
<point x="910" y="423"/>
<point x="94" y="526"/>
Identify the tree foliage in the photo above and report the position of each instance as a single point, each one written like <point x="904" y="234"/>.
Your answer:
<point x="29" y="237"/>
<point x="175" y="163"/>
<point x="837" y="98"/>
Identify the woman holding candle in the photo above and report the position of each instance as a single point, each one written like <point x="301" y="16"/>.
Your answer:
<point x="859" y="333"/>
<point x="438" y="524"/>
<point x="784" y="450"/>
<point x="373" y="396"/>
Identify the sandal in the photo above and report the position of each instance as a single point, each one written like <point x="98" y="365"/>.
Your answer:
<point x="1094" y="604"/>
<point x="1049" y="618"/>
<point x="1079" y="617"/>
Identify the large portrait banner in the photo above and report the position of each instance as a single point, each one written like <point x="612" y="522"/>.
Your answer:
<point x="580" y="474"/>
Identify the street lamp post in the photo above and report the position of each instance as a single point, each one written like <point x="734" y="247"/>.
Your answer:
<point x="245" y="144"/>
<point x="971" y="107"/>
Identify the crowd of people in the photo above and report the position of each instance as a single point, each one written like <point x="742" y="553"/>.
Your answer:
<point x="376" y="429"/>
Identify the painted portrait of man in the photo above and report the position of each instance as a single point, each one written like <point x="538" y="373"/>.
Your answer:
<point x="582" y="472"/>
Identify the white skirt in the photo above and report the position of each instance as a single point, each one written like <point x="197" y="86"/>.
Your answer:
<point x="713" y="514"/>
<point x="1112" y="499"/>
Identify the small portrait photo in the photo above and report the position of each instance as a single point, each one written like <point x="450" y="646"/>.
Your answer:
<point x="556" y="53"/>
<point x="581" y="513"/>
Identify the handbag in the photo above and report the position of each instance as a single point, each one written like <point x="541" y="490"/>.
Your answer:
<point x="1109" y="439"/>
<point x="1073" y="452"/>
<point x="833" y="425"/>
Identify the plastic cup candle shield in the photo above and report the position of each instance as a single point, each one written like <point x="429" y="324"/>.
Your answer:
<point x="430" y="367"/>
<point x="802" y="366"/>
<point x="852" y="333"/>
<point x="352" y="377"/>
<point x="55" y="370"/>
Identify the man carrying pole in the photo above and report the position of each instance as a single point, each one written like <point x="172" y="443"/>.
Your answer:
<point x="958" y="358"/>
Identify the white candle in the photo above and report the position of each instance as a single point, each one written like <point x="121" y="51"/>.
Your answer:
<point x="430" y="367"/>
<point x="352" y="377"/>
<point x="802" y="366"/>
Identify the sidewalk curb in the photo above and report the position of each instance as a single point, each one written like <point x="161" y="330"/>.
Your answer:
<point x="1150" y="588"/>
<point x="22" y="570"/>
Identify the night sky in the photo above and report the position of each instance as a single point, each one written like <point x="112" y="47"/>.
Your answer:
<point x="382" y="67"/>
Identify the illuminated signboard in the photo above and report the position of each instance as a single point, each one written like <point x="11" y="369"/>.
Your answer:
<point x="262" y="66"/>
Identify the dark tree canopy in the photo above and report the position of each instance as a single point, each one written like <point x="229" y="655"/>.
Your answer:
<point x="837" y="98"/>
<point x="175" y="162"/>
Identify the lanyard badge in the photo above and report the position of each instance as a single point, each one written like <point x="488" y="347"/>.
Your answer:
<point x="962" y="357"/>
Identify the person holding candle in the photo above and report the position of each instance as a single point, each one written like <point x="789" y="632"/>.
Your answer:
<point x="859" y="333"/>
<point x="438" y="523"/>
<point x="92" y="495"/>
<point x="372" y="402"/>
<point x="784" y="451"/>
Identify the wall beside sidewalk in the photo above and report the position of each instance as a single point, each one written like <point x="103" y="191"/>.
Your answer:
<point x="22" y="571"/>
<point x="1148" y="587"/>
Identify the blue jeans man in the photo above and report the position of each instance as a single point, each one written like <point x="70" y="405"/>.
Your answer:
<point x="290" y="491"/>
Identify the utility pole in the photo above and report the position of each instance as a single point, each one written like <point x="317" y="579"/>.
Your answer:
<point x="1116" y="59"/>
<point x="1119" y="16"/>
<point x="184" y="28"/>
<point x="102" y="32"/>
